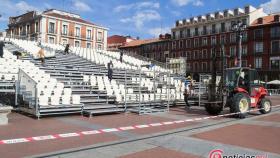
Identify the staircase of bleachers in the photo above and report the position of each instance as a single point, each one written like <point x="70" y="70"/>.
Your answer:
<point x="82" y="74"/>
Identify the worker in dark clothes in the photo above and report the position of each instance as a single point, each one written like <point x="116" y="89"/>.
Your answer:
<point x="2" y="45"/>
<point x="66" y="50"/>
<point x="110" y="64"/>
<point x="110" y="74"/>
<point x="121" y="56"/>
<point x="110" y="70"/>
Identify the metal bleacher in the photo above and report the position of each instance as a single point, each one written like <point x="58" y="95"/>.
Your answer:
<point x="84" y="72"/>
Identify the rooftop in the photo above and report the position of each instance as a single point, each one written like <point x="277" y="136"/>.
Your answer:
<point x="270" y="19"/>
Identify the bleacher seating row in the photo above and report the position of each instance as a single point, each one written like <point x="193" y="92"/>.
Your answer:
<point x="81" y="77"/>
<point x="49" y="90"/>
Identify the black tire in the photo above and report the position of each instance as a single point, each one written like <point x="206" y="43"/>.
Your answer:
<point x="244" y="100"/>
<point x="265" y="106"/>
<point x="213" y="109"/>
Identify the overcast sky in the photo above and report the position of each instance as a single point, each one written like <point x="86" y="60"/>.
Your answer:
<point x="142" y="18"/>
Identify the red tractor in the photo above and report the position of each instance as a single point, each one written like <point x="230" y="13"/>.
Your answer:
<point x="240" y="90"/>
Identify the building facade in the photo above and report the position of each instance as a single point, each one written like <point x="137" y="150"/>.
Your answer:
<point x="264" y="46"/>
<point x="117" y="41"/>
<point x="58" y="27"/>
<point x="155" y="49"/>
<point x="196" y="38"/>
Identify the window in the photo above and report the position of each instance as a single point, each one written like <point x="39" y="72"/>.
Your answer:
<point x="213" y="28"/>
<point x="232" y="38"/>
<point x="189" y="55"/>
<point x="275" y="32"/>
<point x="258" y="34"/>
<point x="99" y="36"/>
<point x="258" y="63"/>
<point x="204" y="66"/>
<point x="88" y="34"/>
<point x="51" y="27"/>
<point x="77" y="43"/>
<point x="244" y="21"/>
<point x="77" y="31"/>
<point x="232" y="51"/>
<point x="275" y="64"/>
<point x="223" y="27"/>
<point x="195" y="66"/>
<point x="204" y="41"/>
<point x="244" y="50"/>
<point x="51" y="40"/>
<point x="204" y="54"/>
<point x="204" y="30"/>
<point x="196" y="42"/>
<point x="181" y="34"/>
<point x="244" y="36"/>
<point x="188" y="33"/>
<point x="258" y="47"/>
<point x="173" y="45"/>
<point x="188" y="43"/>
<point x="196" y="31"/>
<point x="174" y="35"/>
<point x="195" y="54"/>
<point x="223" y="39"/>
<point x="213" y="40"/>
<point x="64" y="29"/>
<point x="181" y="44"/>
<point x="28" y="29"/>
<point x="88" y="45"/>
<point x="275" y="47"/>
<point x="37" y="27"/>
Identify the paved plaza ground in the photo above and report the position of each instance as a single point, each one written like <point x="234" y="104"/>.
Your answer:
<point x="162" y="135"/>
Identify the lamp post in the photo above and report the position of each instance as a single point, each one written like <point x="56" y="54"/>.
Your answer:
<point x="239" y="27"/>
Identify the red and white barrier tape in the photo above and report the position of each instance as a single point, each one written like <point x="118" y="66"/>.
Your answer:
<point x="109" y="130"/>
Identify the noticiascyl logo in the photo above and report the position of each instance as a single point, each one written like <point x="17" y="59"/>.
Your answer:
<point x="217" y="153"/>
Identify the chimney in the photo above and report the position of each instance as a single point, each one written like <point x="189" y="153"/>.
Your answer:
<point x="276" y="18"/>
<point x="260" y="20"/>
<point x="177" y="23"/>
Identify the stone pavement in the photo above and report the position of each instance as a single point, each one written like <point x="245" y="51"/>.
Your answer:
<point x="257" y="134"/>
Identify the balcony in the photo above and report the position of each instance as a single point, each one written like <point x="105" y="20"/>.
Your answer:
<point x="64" y="33"/>
<point x="51" y="31"/>
<point x="258" y="37"/>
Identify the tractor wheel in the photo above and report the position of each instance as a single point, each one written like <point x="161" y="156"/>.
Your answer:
<point x="240" y="103"/>
<point x="213" y="109"/>
<point x="265" y="106"/>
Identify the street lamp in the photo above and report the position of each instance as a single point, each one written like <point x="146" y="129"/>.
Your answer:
<point x="239" y="27"/>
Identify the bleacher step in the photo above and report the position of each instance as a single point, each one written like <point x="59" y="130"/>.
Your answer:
<point x="102" y="111"/>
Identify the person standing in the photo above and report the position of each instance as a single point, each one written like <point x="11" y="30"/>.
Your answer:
<point x="66" y="50"/>
<point x="110" y="64"/>
<point x="2" y="45"/>
<point x="121" y="56"/>
<point x="110" y="74"/>
<point x="41" y="55"/>
<point x="188" y="90"/>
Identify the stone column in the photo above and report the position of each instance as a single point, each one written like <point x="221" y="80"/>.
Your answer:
<point x="4" y="111"/>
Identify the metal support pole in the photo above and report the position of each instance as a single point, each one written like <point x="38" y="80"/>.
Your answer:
<point x="125" y="87"/>
<point x="36" y="102"/>
<point x="240" y="49"/>
<point x="140" y="79"/>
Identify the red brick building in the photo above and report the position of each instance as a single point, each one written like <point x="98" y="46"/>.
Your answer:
<point x="264" y="46"/>
<point x="156" y="49"/>
<point x="116" y="41"/>
<point x="57" y="27"/>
